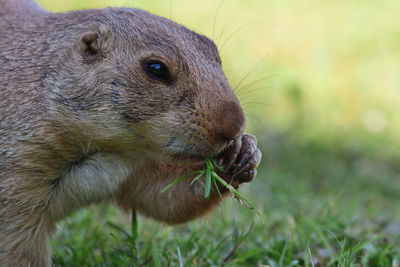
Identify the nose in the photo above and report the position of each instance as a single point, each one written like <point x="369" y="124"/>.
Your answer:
<point x="230" y="121"/>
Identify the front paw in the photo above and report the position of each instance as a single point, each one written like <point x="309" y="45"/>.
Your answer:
<point x="240" y="160"/>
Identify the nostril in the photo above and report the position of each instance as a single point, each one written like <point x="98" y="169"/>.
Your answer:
<point x="230" y="122"/>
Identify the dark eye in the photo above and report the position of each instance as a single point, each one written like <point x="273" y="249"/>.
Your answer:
<point x="157" y="70"/>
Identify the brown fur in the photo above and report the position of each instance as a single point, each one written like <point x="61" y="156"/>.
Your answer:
<point x="81" y="121"/>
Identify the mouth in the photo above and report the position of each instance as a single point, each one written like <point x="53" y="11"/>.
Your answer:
<point x="196" y="157"/>
<point x="194" y="154"/>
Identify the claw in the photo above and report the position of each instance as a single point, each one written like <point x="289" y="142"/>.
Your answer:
<point x="249" y="176"/>
<point x="250" y="166"/>
<point x="257" y="158"/>
<point x="245" y="167"/>
<point x="236" y="152"/>
<point x="242" y="160"/>
<point x="248" y="148"/>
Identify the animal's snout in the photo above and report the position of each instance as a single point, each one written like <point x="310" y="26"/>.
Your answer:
<point x="230" y="122"/>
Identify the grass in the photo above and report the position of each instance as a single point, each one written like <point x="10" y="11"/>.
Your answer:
<point x="323" y="206"/>
<point x="212" y="178"/>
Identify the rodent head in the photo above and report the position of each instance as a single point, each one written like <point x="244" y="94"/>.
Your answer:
<point x="159" y="88"/>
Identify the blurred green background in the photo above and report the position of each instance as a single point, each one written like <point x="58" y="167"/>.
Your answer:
<point x="320" y="84"/>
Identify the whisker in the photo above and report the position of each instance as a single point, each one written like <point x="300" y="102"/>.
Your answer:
<point x="249" y="72"/>
<point x="246" y="94"/>
<point x="170" y="9"/>
<point x="224" y="28"/>
<point x="88" y="145"/>
<point x="215" y="17"/>
<point x="255" y="103"/>
<point x="240" y="90"/>
<point x="233" y="33"/>
<point x="255" y="82"/>
<point x="252" y="116"/>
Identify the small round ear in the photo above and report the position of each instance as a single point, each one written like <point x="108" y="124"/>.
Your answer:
<point x="93" y="44"/>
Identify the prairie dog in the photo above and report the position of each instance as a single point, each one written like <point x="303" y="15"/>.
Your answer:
<point x="110" y="104"/>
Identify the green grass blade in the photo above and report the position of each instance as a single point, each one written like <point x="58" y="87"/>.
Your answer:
<point x="155" y="254"/>
<point x="209" y="163"/>
<point x="216" y="186"/>
<point x="207" y="188"/>
<point x="310" y="257"/>
<point x="210" y="166"/>
<point x="121" y="231"/>
<point x="283" y="254"/>
<point x="337" y="241"/>
<point x="197" y="177"/>
<point x="314" y="226"/>
<point x="236" y="193"/>
<point x="179" y="256"/>
<point x="215" y="164"/>
<point x="179" y="180"/>
<point x="134" y="226"/>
